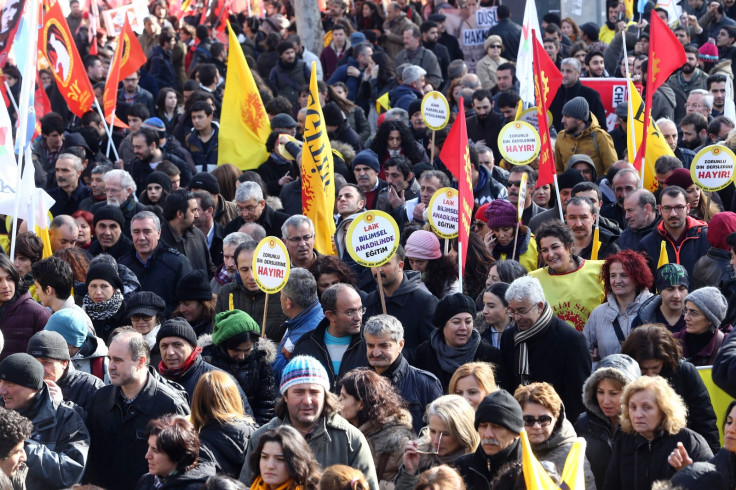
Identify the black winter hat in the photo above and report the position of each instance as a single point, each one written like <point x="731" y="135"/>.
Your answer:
<point x="333" y="114"/>
<point x="145" y="303"/>
<point x="161" y="179"/>
<point x="205" y="181"/>
<point x="502" y="409"/>
<point x="110" y="212"/>
<point x="22" y="369"/>
<point x="451" y="305"/>
<point x="48" y="344"/>
<point x="193" y="286"/>
<point x="415" y="106"/>
<point x="568" y="178"/>
<point x="106" y="272"/>
<point x="284" y="46"/>
<point x="177" y="327"/>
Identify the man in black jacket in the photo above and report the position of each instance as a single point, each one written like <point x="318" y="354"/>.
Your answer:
<point x="178" y="231"/>
<point x="337" y="342"/>
<point x="384" y="340"/>
<point x="499" y="421"/>
<point x="252" y="208"/>
<point x="571" y="88"/>
<point x="486" y="124"/>
<point x="109" y="238"/>
<point x="121" y="411"/>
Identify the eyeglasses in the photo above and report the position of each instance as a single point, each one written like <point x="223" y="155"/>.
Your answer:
<point x="299" y="239"/>
<point x="439" y="439"/>
<point x="249" y="209"/>
<point x="543" y="421"/>
<point x="691" y="312"/>
<point x="495" y="46"/>
<point x="477" y="225"/>
<point x="137" y="318"/>
<point x="518" y="313"/>
<point x="668" y="209"/>
<point x="352" y="313"/>
<point x="694" y="106"/>
<point x="512" y="183"/>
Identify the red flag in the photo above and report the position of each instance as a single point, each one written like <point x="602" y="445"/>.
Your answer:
<point x="11" y="14"/>
<point x="547" y="79"/>
<point x="110" y="95"/>
<point x="666" y="55"/>
<point x="42" y="104"/>
<point x="94" y="18"/>
<point x="456" y="157"/>
<point x="56" y="43"/>
<point x="132" y="56"/>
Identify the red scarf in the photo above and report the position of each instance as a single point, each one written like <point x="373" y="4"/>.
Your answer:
<point x="175" y="373"/>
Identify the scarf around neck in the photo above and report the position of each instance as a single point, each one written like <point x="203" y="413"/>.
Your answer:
<point x="104" y="309"/>
<point x="174" y="374"/>
<point x="522" y="244"/>
<point x="451" y="358"/>
<point x="522" y="336"/>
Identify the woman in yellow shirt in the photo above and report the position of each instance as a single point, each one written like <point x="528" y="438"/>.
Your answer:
<point x="503" y="219"/>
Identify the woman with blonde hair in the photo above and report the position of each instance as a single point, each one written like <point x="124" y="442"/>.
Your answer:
<point x="473" y="381"/>
<point x="441" y="477"/>
<point x="217" y="414"/>
<point x="550" y="433"/>
<point x="653" y="424"/>
<point x="341" y="477"/>
<point x="450" y="433"/>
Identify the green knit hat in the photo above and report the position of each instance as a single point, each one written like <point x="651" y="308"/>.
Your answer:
<point x="231" y="323"/>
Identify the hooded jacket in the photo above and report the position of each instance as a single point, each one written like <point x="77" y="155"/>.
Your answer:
<point x="593" y="141"/>
<point x="59" y="443"/>
<point x="402" y="96"/>
<point x="592" y="425"/>
<point x="92" y="358"/>
<point x="650" y="313"/>
<point x="694" y="246"/>
<point x="387" y="443"/>
<point x="599" y="331"/>
<point x="253" y="303"/>
<point x="304" y="322"/>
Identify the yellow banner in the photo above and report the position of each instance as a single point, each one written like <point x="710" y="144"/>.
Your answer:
<point x="718" y="398"/>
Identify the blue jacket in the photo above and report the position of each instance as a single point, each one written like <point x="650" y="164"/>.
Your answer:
<point x="353" y="83"/>
<point x="402" y="96"/>
<point x="417" y="387"/>
<point x="161" y="67"/>
<point x="690" y="250"/>
<point x="304" y="322"/>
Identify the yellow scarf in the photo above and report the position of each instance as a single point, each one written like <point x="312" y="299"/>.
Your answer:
<point x="259" y="484"/>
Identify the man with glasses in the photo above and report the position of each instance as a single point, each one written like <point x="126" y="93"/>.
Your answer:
<point x="131" y="93"/>
<point x="700" y="101"/>
<point x="252" y="208"/>
<point x="298" y="235"/>
<point x="337" y="342"/>
<point x="541" y="347"/>
<point x="686" y="238"/>
<point x="531" y="208"/>
<point x="120" y="189"/>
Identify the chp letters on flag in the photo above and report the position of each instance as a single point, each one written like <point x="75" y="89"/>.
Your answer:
<point x="244" y="124"/>
<point x="57" y="45"/>
<point x="456" y="157"/>
<point x="318" y="172"/>
<point x="547" y="79"/>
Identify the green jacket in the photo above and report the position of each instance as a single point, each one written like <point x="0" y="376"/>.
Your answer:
<point x="334" y="441"/>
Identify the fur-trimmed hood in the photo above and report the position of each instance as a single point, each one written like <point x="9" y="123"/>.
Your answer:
<point x="391" y="435"/>
<point x="617" y="366"/>
<point x="268" y="347"/>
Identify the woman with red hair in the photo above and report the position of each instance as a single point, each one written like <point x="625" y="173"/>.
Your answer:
<point x="626" y="282"/>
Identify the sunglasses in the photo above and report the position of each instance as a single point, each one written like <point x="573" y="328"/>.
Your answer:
<point x="543" y="421"/>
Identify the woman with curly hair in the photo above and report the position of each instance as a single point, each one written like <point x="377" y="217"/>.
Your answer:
<point x="626" y="282"/>
<point x="395" y="138"/>
<point x="370" y="402"/>
<point x="652" y="426"/>
<point x="282" y="460"/>
<point x="85" y="221"/>
<point x="439" y="272"/>
<point x="659" y="354"/>
<point x="14" y="430"/>
<point x="328" y="270"/>
<point x="369" y="17"/>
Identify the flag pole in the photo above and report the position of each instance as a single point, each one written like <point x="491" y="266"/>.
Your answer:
<point x="107" y="129"/>
<point x="630" y="110"/>
<point x="10" y="96"/>
<point x="559" y="200"/>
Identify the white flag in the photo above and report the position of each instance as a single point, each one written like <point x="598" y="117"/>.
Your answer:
<point x="524" y="69"/>
<point x="8" y="165"/>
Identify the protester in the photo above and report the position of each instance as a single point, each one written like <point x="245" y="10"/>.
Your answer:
<point x="473" y="381"/>
<point x="495" y="316"/>
<point x="704" y="332"/>
<point x="282" y="459"/>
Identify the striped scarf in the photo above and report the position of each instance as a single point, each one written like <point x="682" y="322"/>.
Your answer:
<point x="522" y="336"/>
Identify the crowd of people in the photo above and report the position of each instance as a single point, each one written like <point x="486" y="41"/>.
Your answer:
<point x="142" y="353"/>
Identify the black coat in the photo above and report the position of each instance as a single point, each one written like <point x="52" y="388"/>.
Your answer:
<point x="227" y="443"/>
<point x="559" y="356"/>
<point x="119" y="445"/>
<point x="565" y="94"/>
<point x="273" y="169"/>
<point x="104" y="327"/>
<point x="254" y="374"/>
<point x="725" y="462"/>
<point x="79" y="388"/>
<point x="637" y="463"/>
<point x="478" y="469"/>
<point x="418" y="388"/>
<point x="190" y="480"/>
<point x="599" y="443"/>
<point x="313" y="344"/>
<point x="192" y="244"/>
<point x="487" y="129"/>
<point x="428" y="359"/>
<point x="724" y="366"/>
<point x="121" y="247"/>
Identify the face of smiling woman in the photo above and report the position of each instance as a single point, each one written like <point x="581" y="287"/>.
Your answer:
<point x="555" y="254"/>
<point x="457" y="330"/>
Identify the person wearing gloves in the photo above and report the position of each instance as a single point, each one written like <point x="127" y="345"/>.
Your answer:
<point x="236" y="347"/>
<point x="58" y="446"/>
<point x="87" y="352"/>
<point x="703" y="335"/>
<point x="503" y="219"/>
<point x="499" y="418"/>
<point x="146" y="312"/>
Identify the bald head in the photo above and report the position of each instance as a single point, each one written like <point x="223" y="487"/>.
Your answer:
<point x="668" y="129"/>
<point x="63" y="232"/>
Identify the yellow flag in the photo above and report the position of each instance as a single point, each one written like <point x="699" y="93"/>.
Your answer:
<point x="629" y="8"/>
<point x="656" y="144"/>
<point x="573" y="474"/>
<point x="596" y="244"/>
<point x="382" y="103"/>
<point x="718" y="398"/>
<point x="244" y="124"/>
<point x="663" y="257"/>
<point x="318" y="172"/>
<point x="535" y="476"/>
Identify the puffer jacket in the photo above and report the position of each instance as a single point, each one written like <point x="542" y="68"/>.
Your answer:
<point x="418" y="388"/>
<point x="333" y="441"/>
<point x="193" y="479"/>
<point x="20" y="319"/>
<point x="79" y="388"/>
<point x="725" y="462"/>
<point x="254" y="374"/>
<point x="637" y="463"/>
<point x="387" y="443"/>
<point x="253" y="303"/>
<point x="59" y="443"/>
<point x="724" y="366"/>
<point x="592" y="425"/>
<point x="599" y="331"/>
<point x="593" y="141"/>
<point x="694" y="246"/>
<point x="557" y="447"/>
<point x="227" y="443"/>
